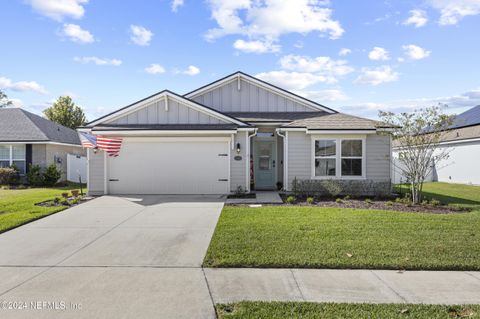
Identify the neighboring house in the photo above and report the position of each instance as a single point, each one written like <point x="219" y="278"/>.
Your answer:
<point x="237" y="133"/>
<point x="463" y="142"/>
<point x="26" y="138"/>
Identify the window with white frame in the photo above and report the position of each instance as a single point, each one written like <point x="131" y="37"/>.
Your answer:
<point x="352" y="157"/>
<point x="13" y="155"/>
<point x="325" y="157"/>
<point x="338" y="157"/>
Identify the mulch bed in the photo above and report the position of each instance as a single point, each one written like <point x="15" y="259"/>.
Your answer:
<point x="379" y="205"/>
<point x="70" y="203"/>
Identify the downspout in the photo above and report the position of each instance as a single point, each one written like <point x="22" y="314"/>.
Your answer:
<point x="285" y="167"/>
<point x="248" y="159"/>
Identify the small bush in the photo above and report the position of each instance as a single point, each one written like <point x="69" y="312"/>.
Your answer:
<point x="310" y="200"/>
<point x="56" y="200"/>
<point x="75" y="201"/>
<point x="35" y="176"/>
<point x="339" y="200"/>
<point x="8" y="175"/>
<point x="424" y="202"/>
<point x="389" y="203"/>
<point x="368" y="201"/>
<point x="347" y="197"/>
<point x="75" y="193"/>
<point x="291" y="199"/>
<point x="51" y="175"/>
<point x="65" y="202"/>
<point x="435" y="202"/>
<point x="65" y="195"/>
<point x="332" y="187"/>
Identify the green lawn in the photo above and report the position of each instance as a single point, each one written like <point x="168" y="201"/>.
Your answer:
<point x="17" y="206"/>
<point x="304" y="310"/>
<point x="456" y="194"/>
<point x="316" y="237"/>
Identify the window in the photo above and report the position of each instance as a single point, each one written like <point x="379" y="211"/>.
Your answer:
<point x="325" y="157"/>
<point x="338" y="158"/>
<point x="13" y="155"/>
<point x="352" y="158"/>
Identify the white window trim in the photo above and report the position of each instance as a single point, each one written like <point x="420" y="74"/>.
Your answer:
<point x="11" y="159"/>
<point x="338" y="156"/>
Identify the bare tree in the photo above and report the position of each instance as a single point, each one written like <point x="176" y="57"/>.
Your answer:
<point x="417" y="137"/>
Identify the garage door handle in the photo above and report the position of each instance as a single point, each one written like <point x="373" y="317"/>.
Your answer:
<point x="222" y="154"/>
<point x="113" y="180"/>
<point x="223" y="180"/>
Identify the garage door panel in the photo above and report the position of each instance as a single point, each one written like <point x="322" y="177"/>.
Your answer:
<point x="169" y="168"/>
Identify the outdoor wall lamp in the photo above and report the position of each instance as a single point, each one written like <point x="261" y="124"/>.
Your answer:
<point x="238" y="148"/>
<point x="95" y="150"/>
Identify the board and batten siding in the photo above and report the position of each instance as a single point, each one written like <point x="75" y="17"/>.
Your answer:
<point x="177" y="113"/>
<point x="249" y="98"/>
<point x="238" y="169"/>
<point x="96" y="172"/>
<point x="300" y="157"/>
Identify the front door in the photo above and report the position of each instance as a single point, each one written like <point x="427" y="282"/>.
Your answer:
<point x="265" y="163"/>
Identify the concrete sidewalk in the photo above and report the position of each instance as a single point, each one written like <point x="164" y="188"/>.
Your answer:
<point x="358" y="286"/>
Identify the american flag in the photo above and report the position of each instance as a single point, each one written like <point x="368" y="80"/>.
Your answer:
<point x="88" y="140"/>
<point x="111" y="145"/>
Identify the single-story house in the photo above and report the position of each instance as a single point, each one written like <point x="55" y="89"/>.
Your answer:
<point x="237" y="133"/>
<point x="462" y="139"/>
<point x="26" y="138"/>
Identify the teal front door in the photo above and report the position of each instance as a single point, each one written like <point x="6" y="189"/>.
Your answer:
<point x="264" y="164"/>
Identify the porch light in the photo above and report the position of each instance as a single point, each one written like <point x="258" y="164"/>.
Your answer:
<point x="95" y="150"/>
<point x="238" y="148"/>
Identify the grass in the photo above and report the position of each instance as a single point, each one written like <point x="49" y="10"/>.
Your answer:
<point x="452" y="194"/>
<point x="305" y="310"/>
<point x="316" y="237"/>
<point x="17" y="206"/>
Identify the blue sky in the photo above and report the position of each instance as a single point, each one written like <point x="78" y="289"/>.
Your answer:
<point x="354" y="56"/>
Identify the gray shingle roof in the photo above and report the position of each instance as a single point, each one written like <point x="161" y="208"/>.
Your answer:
<point x="337" y="121"/>
<point x="467" y="118"/>
<point x="18" y="125"/>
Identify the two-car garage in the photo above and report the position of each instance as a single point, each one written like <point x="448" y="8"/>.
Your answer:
<point x="170" y="165"/>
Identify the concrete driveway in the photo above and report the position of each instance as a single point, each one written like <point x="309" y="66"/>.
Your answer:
<point x="112" y="257"/>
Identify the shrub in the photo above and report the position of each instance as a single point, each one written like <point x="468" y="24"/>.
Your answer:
<point x="310" y="200"/>
<point x="35" y="176"/>
<point x="65" y="195"/>
<point x="389" y="203"/>
<point x="333" y="188"/>
<point x="424" y="202"/>
<point x="65" y="202"/>
<point x="339" y="200"/>
<point x="75" y="193"/>
<point x="291" y="199"/>
<point x="435" y="202"/>
<point x="8" y="175"/>
<point x="368" y="201"/>
<point x="56" y="200"/>
<point x="51" y="175"/>
<point x="75" y="201"/>
<point x="347" y="197"/>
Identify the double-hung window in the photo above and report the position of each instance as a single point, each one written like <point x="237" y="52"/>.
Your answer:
<point x="338" y="157"/>
<point x="325" y="157"/>
<point x="13" y="155"/>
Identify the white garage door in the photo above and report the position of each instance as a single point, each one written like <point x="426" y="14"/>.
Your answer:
<point x="170" y="166"/>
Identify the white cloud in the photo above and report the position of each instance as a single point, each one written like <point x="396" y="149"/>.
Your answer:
<point x="322" y="65"/>
<point x="191" y="70"/>
<point x="76" y="34"/>
<point x="344" y="52"/>
<point x="331" y="95"/>
<point x="415" y="52"/>
<point x="452" y="11"/>
<point x="270" y="19"/>
<point x="256" y="46"/>
<point x="16" y="102"/>
<point x="418" y="18"/>
<point x="97" y="61"/>
<point x="176" y="4"/>
<point x="294" y="81"/>
<point x="155" y="69"/>
<point x="140" y="35"/>
<point x="377" y="76"/>
<point x="378" y="53"/>
<point x="22" y="86"/>
<point x="59" y="9"/>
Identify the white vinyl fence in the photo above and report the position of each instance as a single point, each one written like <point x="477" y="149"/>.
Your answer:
<point x="76" y="166"/>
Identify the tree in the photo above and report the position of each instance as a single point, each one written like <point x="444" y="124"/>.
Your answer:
<point x="65" y="112"/>
<point x="4" y="101"/>
<point x="417" y="136"/>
